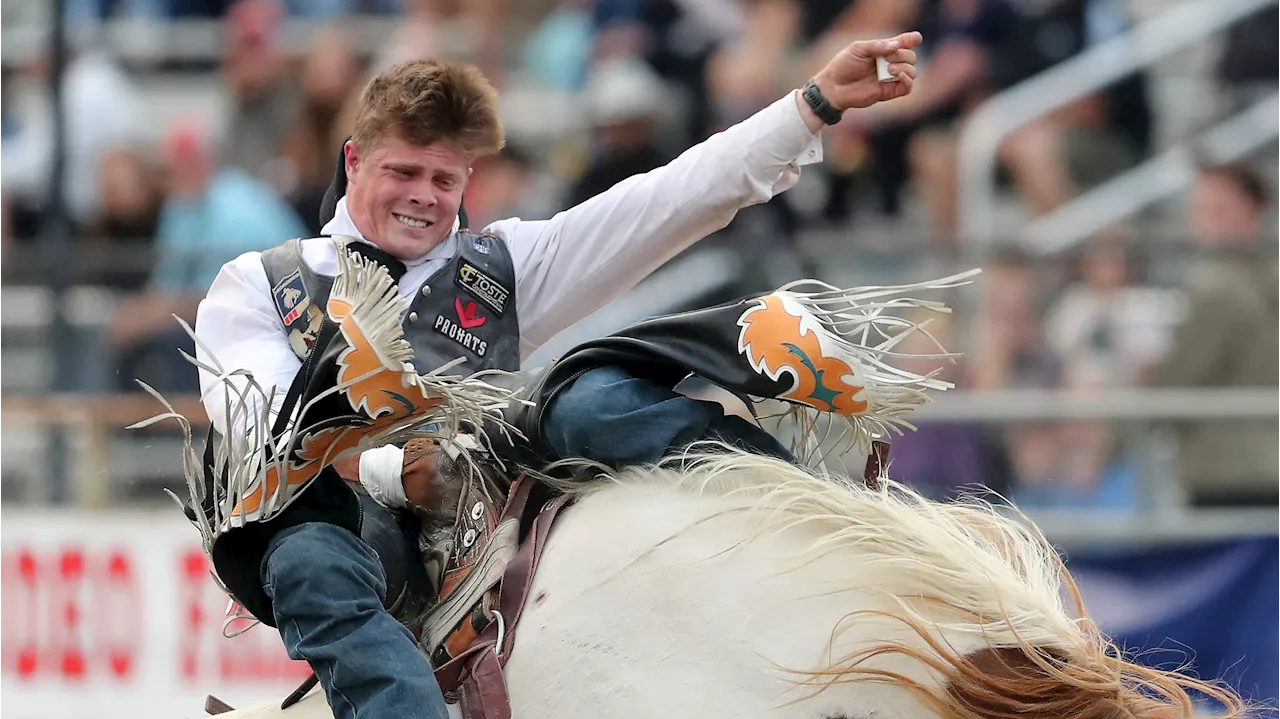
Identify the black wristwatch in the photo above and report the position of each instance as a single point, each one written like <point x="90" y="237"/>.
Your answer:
<point x="822" y="107"/>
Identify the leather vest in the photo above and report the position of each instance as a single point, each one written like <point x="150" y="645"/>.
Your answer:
<point x="465" y="309"/>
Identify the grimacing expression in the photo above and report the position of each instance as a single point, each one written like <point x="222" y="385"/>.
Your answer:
<point x="404" y="197"/>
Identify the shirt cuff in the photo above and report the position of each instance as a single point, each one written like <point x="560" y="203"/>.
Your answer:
<point x="785" y="140"/>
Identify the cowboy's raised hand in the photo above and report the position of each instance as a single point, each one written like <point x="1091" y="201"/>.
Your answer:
<point x="849" y="80"/>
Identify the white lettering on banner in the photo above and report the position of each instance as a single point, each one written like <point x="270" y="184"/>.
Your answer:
<point x="116" y="615"/>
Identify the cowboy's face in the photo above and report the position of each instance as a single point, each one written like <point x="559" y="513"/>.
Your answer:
<point x="404" y="197"/>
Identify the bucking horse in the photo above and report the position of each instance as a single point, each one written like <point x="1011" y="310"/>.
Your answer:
<point x="716" y="582"/>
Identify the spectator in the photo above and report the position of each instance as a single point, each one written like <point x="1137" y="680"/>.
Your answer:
<point x="676" y="38"/>
<point x="213" y="214"/>
<point x="322" y="9"/>
<point x="330" y="75"/>
<point x="1228" y="339"/>
<point x="1009" y="352"/>
<point x="8" y="120"/>
<point x="964" y="39"/>
<point x="556" y="52"/>
<point x="826" y="26"/>
<point x="1090" y="139"/>
<point x="980" y="47"/>
<point x="264" y="100"/>
<point x="503" y="186"/>
<point x="1247" y="66"/>
<point x="746" y="72"/>
<point x="103" y="112"/>
<point x="625" y="100"/>
<point x="122" y="238"/>
<point x="469" y="30"/>
<point x="1104" y="328"/>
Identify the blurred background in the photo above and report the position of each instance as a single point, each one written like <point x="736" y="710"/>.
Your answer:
<point x="1111" y="164"/>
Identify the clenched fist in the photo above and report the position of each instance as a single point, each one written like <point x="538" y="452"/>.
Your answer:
<point x="422" y="484"/>
<point x="849" y="80"/>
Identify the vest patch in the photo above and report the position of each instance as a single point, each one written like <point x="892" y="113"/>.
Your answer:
<point x="303" y="338"/>
<point x="455" y="332"/>
<point x="485" y="288"/>
<point x="291" y="298"/>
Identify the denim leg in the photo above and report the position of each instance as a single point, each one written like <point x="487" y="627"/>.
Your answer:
<point x="611" y="416"/>
<point x="326" y="586"/>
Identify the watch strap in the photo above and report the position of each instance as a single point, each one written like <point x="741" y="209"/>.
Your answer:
<point x="821" y="106"/>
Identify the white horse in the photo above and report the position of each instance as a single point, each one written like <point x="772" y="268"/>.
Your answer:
<point x="742" y="586"/>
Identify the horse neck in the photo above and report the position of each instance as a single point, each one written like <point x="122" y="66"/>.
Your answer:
<point x="657" y="602"/>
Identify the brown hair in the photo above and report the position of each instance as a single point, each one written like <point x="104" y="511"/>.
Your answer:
<point x="427" y="101"/>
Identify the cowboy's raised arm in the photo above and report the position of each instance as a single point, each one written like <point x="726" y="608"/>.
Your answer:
<point x="576" y="262"/>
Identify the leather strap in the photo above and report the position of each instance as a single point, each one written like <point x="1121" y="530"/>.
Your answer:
<point x="474" y="678"/>
<point x="821" y="106"/>
<point x="877" y="461"/>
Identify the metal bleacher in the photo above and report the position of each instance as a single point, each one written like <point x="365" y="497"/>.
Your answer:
<point x="174" y="71"/>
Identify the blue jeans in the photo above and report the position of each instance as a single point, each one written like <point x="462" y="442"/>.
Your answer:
<point x="327" y="586"/>
<point x="611" y="416"/>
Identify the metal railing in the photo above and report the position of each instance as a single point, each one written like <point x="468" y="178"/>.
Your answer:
<point x="1093" y="69"/>
<point x="1113" y="405"/>
<point x="1155" y="521"/>
<point x="1160" y="513"/>
<point x="1163" y="176"/>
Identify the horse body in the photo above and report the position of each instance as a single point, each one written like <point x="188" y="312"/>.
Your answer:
<point x="654" y="602"/>
<point x="744" y="589"/>
<point x="731" y="584"/>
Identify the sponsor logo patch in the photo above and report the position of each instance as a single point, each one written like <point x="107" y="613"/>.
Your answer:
<point x="485" y="288"/>
<point x="456" y="332"/>
<point x="482" y="244"/>
<point x="291" y="298"/>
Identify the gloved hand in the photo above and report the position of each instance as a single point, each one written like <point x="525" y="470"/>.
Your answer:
<point x="422" y="484"/>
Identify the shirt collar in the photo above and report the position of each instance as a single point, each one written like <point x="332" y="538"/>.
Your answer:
<point x="342" y="224"/>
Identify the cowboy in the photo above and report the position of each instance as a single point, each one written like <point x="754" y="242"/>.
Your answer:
<point x="490" y="297"/>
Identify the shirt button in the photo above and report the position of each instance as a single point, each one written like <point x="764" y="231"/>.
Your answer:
<point x="426" y="290"/>
<point x="413" y="316"/>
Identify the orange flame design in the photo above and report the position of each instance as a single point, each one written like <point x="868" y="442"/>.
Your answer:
<point x="381" y="396"/>
<point x="776" y="339"/>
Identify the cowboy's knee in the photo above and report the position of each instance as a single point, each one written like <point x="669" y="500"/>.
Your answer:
<point x="321" y="560"/>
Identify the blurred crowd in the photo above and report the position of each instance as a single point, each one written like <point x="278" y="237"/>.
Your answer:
<point x="598" y="90"/>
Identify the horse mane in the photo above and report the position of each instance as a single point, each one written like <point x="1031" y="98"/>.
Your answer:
<point x="954" y="570"/>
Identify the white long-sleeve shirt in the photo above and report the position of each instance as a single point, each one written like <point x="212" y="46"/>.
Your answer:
<point x="565" y="268"/>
